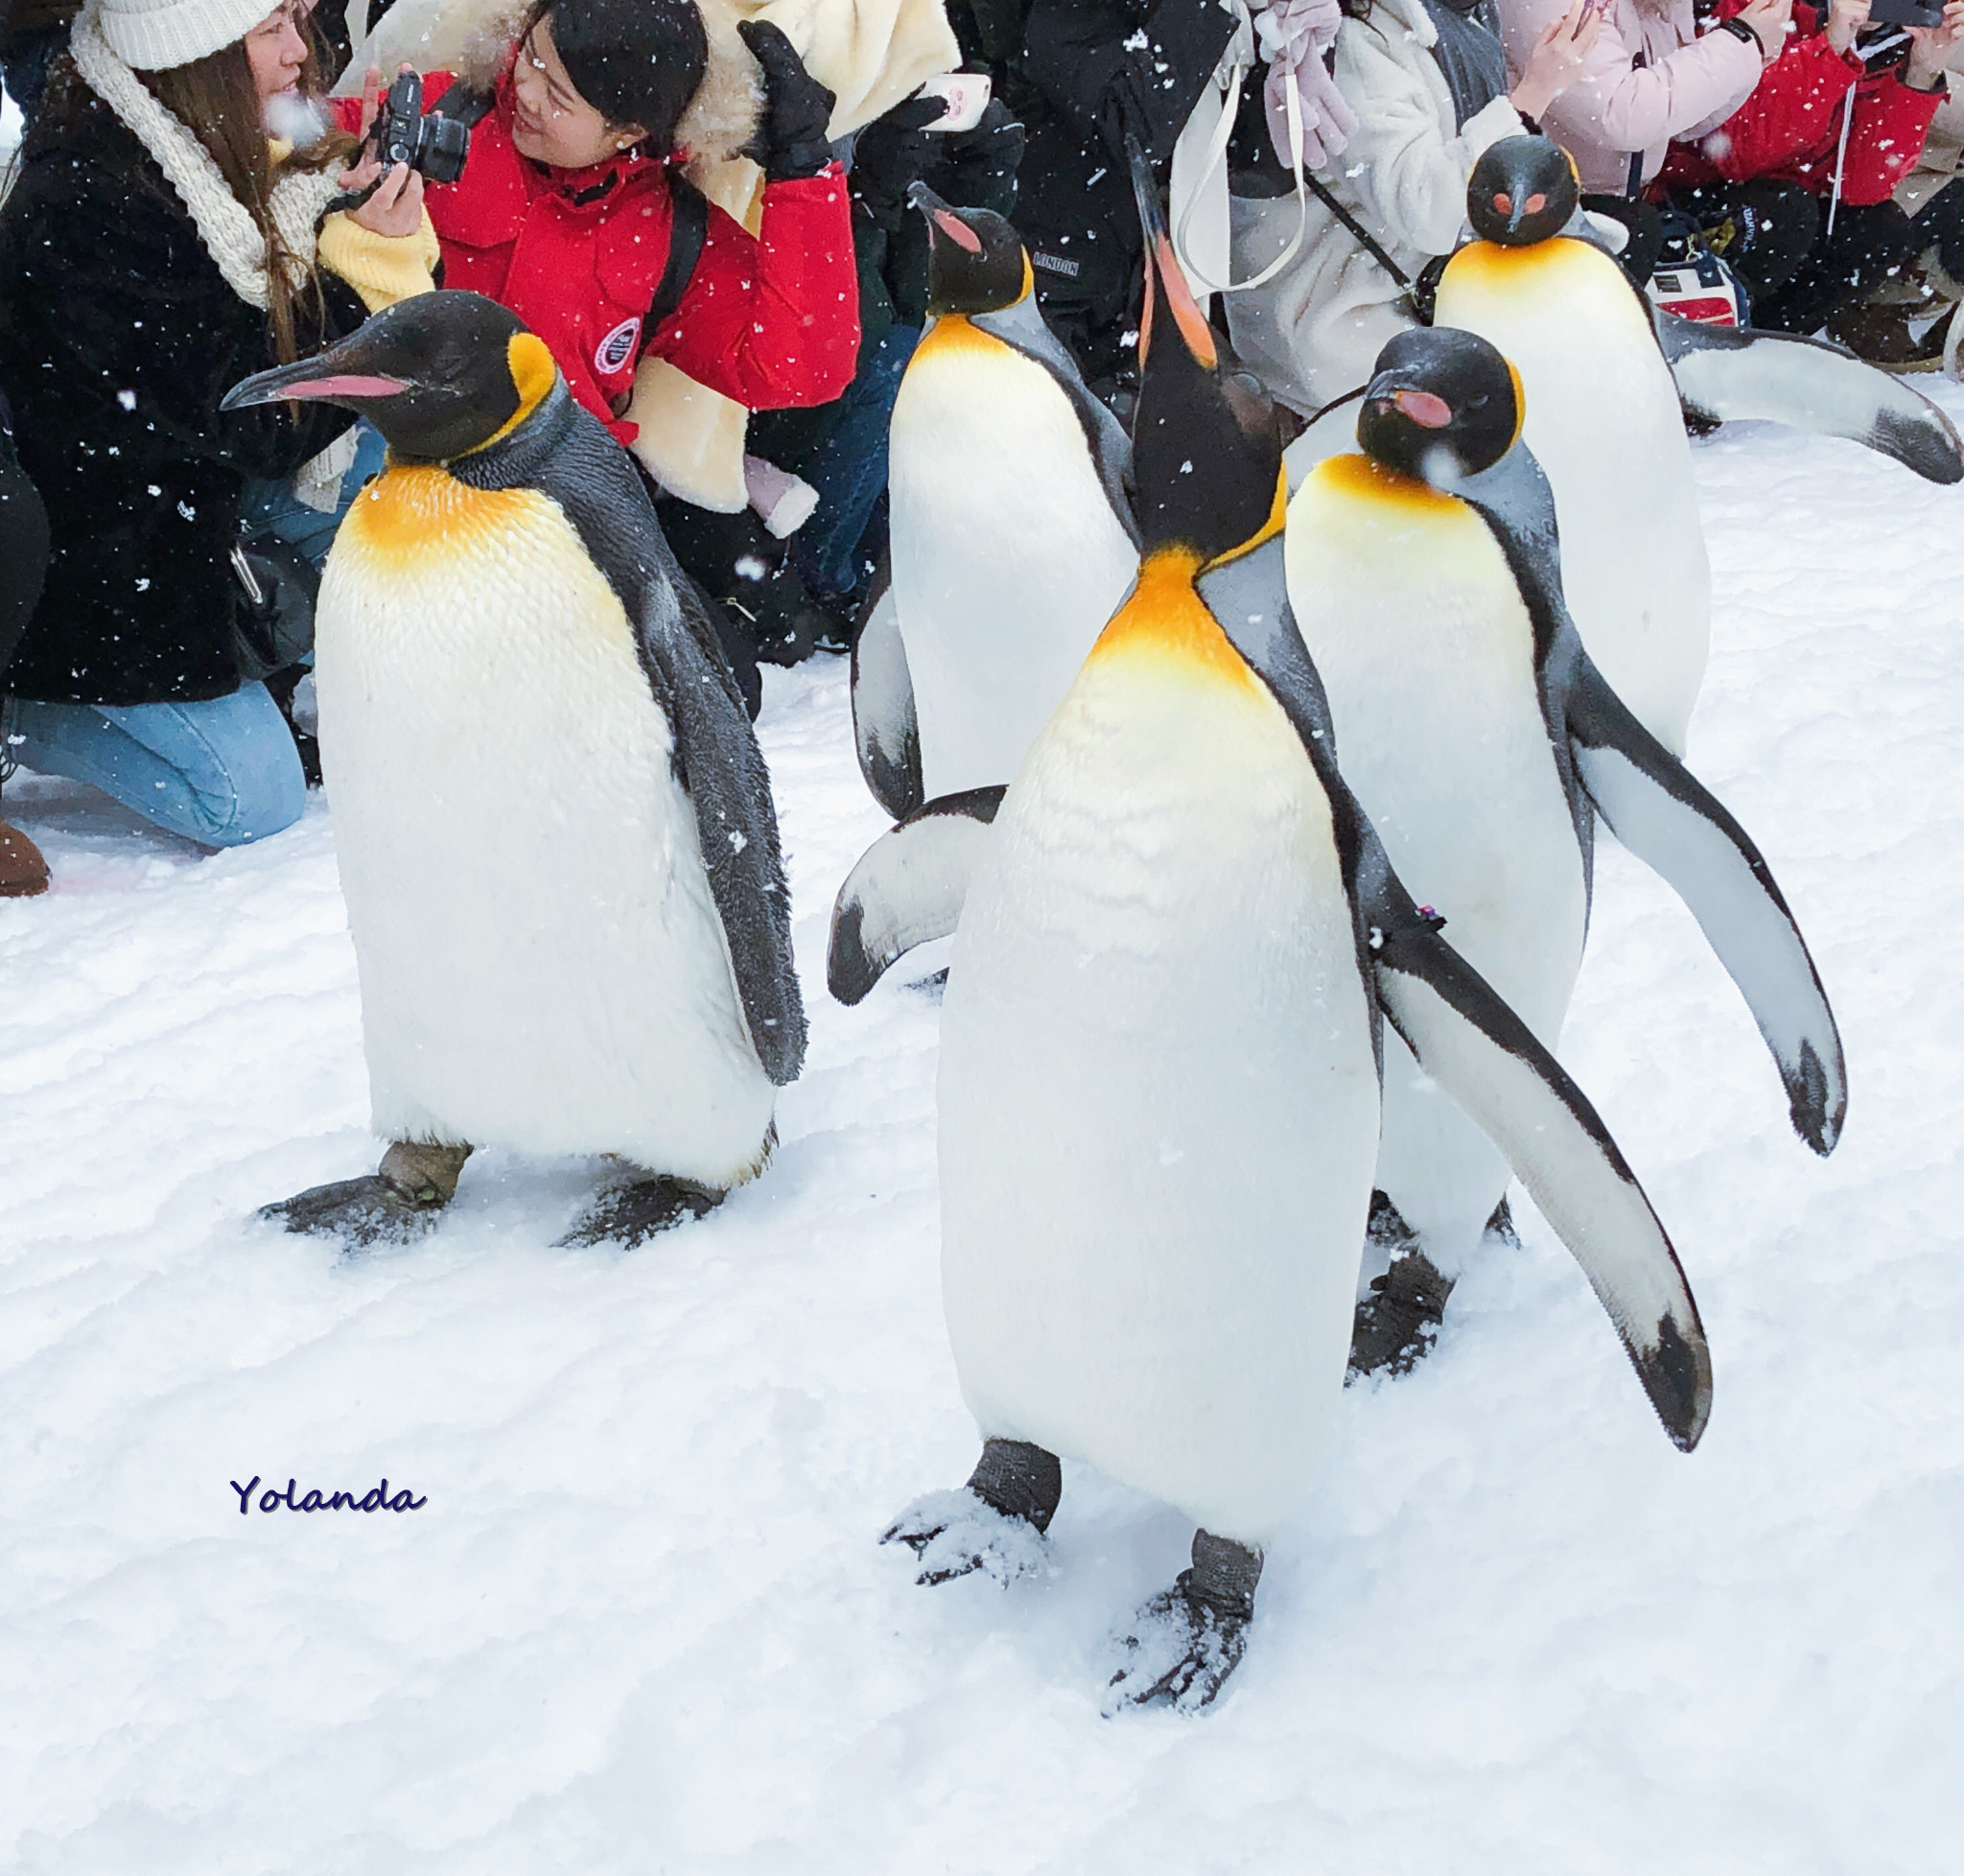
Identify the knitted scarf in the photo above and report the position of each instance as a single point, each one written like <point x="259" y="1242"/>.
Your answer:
<point x="229" y="234"/>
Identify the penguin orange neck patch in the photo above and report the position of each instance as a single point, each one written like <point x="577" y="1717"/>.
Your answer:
<point x="955" y="331"/>
<point x="408" y="513"/>
<point x="1166" y="622"/>
<point x="1363" y="480"/>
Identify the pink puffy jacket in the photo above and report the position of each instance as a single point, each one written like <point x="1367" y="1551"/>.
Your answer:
<point x="1685" y="86"/>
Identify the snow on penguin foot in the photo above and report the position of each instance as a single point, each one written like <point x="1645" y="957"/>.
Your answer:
<point x="957" y="1533"/>
<point x="1185" y="1641"/>
<point x="637" y="1208"/>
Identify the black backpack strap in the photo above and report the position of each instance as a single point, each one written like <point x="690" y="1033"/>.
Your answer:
<point x="1358" y="229"/>
<point x="687" y="233"/>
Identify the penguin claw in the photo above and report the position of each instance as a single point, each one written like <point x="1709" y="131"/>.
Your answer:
<point x="955" y="1534"/>
<point x="627" y="1213"/>
<point x="1179" y="1653"/>
<point x="359" y="1211"/>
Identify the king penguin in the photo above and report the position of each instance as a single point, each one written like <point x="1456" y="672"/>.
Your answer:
<point x="1159" y="1078"/>
<point x="555" y="825"/>
<point x="1484" y="744"/>
<point x="1013" y="539"/>
<point x="1609" y="380"/>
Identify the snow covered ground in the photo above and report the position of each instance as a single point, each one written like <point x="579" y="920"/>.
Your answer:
<point x="641" y="1623"/>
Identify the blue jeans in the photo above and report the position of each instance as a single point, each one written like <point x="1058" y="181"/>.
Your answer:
<point x="224" y="772"/>
<point x="849" y="470"/>
<point x="274" y="507"/>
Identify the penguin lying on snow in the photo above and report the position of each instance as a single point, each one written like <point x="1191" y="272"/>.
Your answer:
<point x="555" y="825"/>
<point x="1484" y="744"/>
<point x="1608" y="379"/>
<point x="1158" y="1093"/>
<point x="1012" y="535"/>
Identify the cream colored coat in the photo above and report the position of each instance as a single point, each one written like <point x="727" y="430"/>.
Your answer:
<point x="1315" y="332"/>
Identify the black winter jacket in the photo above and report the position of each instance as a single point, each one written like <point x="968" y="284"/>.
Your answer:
<point x="1089" y="72"/>
<point x="118" y="336"/>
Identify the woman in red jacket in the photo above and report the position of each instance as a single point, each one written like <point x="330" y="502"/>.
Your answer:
<point x="1833" y="125"/>
<point x="572" y="210"/>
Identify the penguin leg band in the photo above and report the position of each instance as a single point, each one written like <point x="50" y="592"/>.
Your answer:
<point x="425" y="1175"/>
<point x="1019" y="1480"/>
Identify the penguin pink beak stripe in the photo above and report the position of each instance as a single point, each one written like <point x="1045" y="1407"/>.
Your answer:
<point x="343" y="385"/>
<point x="1428" y="411"/>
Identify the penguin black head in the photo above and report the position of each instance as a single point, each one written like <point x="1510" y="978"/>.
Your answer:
<point x="975" y="260"/>
<point x="1206" y="442"/>
<point x="1442" y="405"/>
<point x="1523" y="190"/>
<point x="439" y="375"/>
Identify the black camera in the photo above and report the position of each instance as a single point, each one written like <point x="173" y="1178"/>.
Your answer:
<point x="436" y="146"/>
<point x="1907" y="12"/>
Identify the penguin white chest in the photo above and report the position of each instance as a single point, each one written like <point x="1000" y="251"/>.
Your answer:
<point x="1007" y="557"/>
<point x="1426" y="651"/>
<point x="542" y="964"/>
<point x="1159" y="1102"/>
<point x="1603" y="421"/>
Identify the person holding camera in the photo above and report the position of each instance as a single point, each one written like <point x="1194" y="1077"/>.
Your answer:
<point x="1649" y="79"/>
<point x="571" y="209"/>
<point x="1793" y="189"/>
<point x="159" y="245"/>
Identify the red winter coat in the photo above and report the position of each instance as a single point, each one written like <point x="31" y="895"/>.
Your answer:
<point x="1790" y="127"/>
<point x="770" y="320"/>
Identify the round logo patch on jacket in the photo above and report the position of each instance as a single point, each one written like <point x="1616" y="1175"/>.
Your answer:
<point x="616" y="348"/>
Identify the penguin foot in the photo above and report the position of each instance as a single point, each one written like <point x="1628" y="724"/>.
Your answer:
<point x="1397" y="1323"/>
<point x="627" y="1213"/>
<point x="394" y="1206"/>
<point x="955" y="1534"/>
<point x="1186" y="1642"/>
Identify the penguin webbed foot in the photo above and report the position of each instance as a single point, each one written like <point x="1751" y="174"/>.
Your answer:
<point x="994" y="1524"/>
<point x="394" y="1205"/>
<point x="636" y="1210"/>
<point x="1185" y="1642"/>
<point x="1397" y="1323"/>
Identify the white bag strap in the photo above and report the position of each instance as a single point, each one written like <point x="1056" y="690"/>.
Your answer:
<point x="1216" y="155"/>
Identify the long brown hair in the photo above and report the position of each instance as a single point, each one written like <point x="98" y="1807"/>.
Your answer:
<point x="216" y="98"/>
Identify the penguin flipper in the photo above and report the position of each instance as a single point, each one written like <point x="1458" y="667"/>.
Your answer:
<point x="723" y="772"/>
<point x="908" y="887"/>
<point x="884" y="729"/>
<point x="1673" y="823"/>
<point x="1726" y="372"/>
<point x="1474" y="1045"/>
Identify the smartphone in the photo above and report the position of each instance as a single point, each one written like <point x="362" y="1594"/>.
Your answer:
<point x="1907" y="12"/>
<point x="967" y="96"/>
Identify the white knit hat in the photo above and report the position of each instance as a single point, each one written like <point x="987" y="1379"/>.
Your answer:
<point x="152" y="35"/>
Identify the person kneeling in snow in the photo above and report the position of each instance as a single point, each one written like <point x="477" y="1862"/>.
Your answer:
<point x="158" y="247"/>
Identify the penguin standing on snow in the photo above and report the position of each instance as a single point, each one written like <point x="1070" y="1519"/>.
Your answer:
<point x="1484" y="744"/>
<point x="1011" y="536"/>
<point x="554" y="823"/>
<point x="1158" y="1095"/>
<point x="1606" y="417"/>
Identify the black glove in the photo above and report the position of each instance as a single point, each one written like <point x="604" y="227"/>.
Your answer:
<point x="791" y="140"/>
<point x="892" y="154"/>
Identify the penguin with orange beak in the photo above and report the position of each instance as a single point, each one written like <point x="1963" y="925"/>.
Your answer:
<point x="555" y="825"/>
<point x="1160" y="1057"/>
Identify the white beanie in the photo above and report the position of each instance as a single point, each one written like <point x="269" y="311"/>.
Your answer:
<point x="152" y="35"/>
